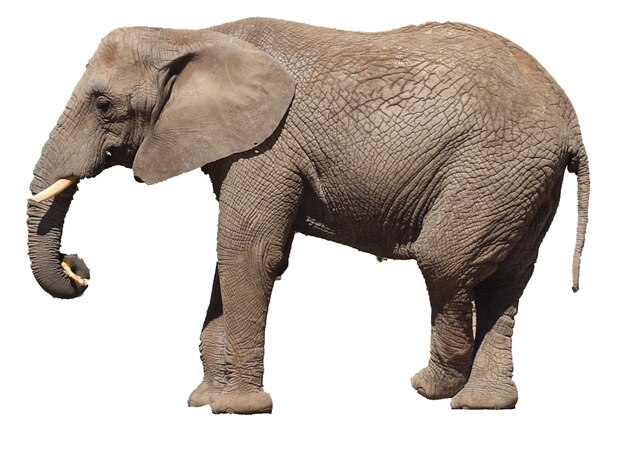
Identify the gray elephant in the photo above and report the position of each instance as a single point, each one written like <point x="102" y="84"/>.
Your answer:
<point x="442" y="143"/>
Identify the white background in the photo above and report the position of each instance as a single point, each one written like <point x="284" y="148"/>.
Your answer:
<point x="113" y="369"/>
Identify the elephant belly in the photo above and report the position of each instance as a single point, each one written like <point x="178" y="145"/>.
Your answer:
<point x="364" y="237"/>
<point x="385" y="224"/>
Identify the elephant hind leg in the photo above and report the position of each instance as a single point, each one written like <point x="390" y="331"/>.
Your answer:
<point x="451" y="344"/>
<point x="490" y="385"/>
<point x="454" y="254"/>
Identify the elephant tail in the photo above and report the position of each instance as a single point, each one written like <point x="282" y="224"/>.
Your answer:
<point x="579" y="165"/>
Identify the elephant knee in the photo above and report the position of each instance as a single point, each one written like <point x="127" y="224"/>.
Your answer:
<point x="266" y="257"/>
<point x="274" y="259"/>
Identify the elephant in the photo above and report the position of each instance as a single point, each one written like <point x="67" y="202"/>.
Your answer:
<point x="442" y="143"/>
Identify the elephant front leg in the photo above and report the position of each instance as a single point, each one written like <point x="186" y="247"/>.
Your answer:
<point x="247" y="279"/>
<point x="259" y="200"/>
<point x="211" y="350"/>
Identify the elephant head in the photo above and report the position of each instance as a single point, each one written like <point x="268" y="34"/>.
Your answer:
<point x="162" y="102"/>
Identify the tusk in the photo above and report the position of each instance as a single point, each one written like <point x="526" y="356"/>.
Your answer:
<point x="79" y="280"/>
<point x="55" y="189"/>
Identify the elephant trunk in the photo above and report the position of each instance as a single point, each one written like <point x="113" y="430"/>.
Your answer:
<point x="61" y="276"/>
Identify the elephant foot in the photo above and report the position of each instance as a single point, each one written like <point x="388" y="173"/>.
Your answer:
<point x="246" y="402"/>
<point x="203" y="395"/>
<point x="434" y="384"/>
<point x="501" y="394"/>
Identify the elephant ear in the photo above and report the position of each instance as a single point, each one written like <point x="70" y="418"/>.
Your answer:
<point x="214" y="102"/>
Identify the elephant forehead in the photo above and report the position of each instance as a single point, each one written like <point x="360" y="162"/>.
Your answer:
<point x="123" y="73"/>
<point x="120" y="48"/>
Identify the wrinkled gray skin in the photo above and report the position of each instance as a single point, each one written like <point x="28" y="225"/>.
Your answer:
<point x="442" y="143"/>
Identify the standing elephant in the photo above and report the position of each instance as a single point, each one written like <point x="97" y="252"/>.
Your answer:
<point x="442" y="143"/>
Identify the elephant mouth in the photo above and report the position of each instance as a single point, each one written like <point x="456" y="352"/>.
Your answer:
<point x="120" y="156"/>
<point x="115" y="157"/>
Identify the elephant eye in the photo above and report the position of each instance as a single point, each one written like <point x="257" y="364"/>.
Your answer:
<point x="103" y="105"/>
